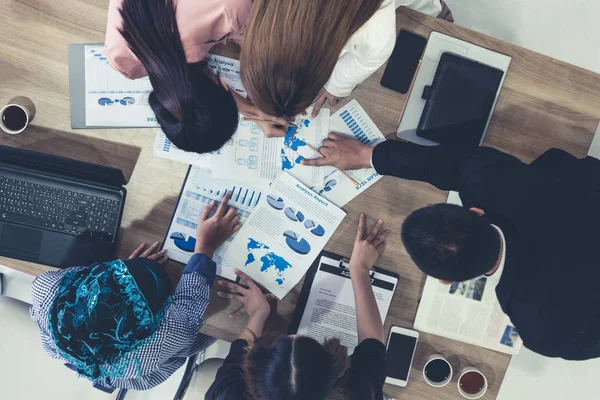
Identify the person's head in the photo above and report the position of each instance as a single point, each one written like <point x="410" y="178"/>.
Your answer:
<point x="450" y="242"/>
<point x="196" y="111"/>
<point x="101" y="314"/>
<point x="291" y="48"/>
<point x="296" y="368"/>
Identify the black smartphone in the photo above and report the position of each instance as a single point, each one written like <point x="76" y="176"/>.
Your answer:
<point x="403" y="63"/>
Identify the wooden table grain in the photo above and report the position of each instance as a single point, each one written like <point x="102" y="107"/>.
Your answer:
<point x="545" y="103"/>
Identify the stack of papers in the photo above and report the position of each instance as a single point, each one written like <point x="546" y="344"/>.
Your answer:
<point x="288" y="211"/>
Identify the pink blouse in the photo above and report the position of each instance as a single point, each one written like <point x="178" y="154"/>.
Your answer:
<point x="201" y="23"/>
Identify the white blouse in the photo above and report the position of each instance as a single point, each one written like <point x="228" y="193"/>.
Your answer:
<point x="371" y="46"/>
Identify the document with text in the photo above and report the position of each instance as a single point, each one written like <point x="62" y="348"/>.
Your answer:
<point x="284" y="234"/>
<point x="326" y="307"/>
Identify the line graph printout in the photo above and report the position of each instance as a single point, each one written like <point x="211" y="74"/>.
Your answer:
<point x="352" y="121"/>
<point x="200" y="188"/>
<point x="111" y="99"/>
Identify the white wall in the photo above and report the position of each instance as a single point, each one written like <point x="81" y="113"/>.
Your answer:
<point x="532" y="377"/>
<point x="564" y="29"/>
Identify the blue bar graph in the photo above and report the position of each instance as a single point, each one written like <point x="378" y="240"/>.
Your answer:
<point x="355" y="127"/>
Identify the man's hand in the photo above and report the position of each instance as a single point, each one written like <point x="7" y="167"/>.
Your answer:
<point x="323" y="96"/>
<point x="367" y="248"/>
<point x="343" y="153"/>
<point x="150" y="253"/>
<point x="214" y="231"/>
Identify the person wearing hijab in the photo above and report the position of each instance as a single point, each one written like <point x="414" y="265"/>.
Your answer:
<point x="117" y="324"/>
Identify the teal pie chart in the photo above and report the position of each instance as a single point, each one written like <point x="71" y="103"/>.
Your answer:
<point x="276" y="203"/>
<point x="293" y="215"/>
<point x="318" y="231"/>
<point x="182" y="244"/>
<point x="315" y="229"/>
<point x="296" y="243"/>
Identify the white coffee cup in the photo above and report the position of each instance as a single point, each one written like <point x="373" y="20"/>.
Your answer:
<point x="471" y="395"/>
<point x="16" y="115"/>
<point x="439" y="384"/>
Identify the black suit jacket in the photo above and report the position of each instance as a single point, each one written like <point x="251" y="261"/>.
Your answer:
<point x="549" y="212"/>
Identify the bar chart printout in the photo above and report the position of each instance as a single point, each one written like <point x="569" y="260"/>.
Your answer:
<point x="352" y="121"/>
<point x="200" y="188"/>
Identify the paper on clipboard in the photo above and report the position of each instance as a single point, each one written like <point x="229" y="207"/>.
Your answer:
<point x="326" y="307"/>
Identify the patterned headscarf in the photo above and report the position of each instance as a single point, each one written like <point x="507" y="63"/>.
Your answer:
<point x="99" y="317"/>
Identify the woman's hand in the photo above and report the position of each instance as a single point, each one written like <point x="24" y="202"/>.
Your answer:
<point x="271" y="126"/>
<point x="214" y="231"/>
<point x="324" y="95"/>
<point x="367" y="248"/>
<point x="255" y="303"/>
<point x="150" y="253"/>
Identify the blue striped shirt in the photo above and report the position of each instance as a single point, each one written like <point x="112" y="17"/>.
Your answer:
<point x="177" y="338"/>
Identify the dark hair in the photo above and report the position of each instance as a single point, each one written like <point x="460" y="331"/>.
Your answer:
<point x="193" y="109"/>
<point x="296" y="368"/>
<point x="152" y="280"/>
<point x="450" y="242"/>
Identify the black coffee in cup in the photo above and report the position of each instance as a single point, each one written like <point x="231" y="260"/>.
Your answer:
<point x="437" y="371"/>
<point x="14" y="118"/>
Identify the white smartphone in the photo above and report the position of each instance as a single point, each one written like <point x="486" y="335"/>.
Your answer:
<point x="401" y="347"/>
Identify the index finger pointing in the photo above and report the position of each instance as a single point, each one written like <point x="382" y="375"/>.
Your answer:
<point x="206" y="211"/>
<point x="223" y="206"/>
<point x="360" y="231"/>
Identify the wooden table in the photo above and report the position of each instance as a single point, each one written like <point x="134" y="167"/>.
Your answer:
<point x="544" y="103"/>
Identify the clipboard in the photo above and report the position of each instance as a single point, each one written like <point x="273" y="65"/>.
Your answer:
<point x="310" y="277"/>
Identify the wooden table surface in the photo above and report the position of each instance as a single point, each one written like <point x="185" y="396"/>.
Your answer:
<point x="544" y="103"/>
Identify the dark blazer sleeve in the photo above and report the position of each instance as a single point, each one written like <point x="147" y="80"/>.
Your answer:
<point x="581" y="173"/>
<point x="445" y="167"/>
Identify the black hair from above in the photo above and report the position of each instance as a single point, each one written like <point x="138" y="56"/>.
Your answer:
<point x="450" y="242"/>
<point x="291" y="368"/>
<point x="193" y="109"/>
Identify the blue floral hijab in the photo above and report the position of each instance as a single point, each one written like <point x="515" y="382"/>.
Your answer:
<point x="100" y="316"/>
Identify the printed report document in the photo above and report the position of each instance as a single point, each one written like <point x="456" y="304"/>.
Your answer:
<point x="326" y="307"/>
<point x="283" y="235"/>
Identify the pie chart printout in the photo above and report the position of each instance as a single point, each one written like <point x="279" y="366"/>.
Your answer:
<point x="276" y="203"/>
<point x="296" y="243"/>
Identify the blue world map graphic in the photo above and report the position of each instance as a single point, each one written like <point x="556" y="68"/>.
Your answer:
<point x="268" y="259"/>
<point x="290" y="157"/>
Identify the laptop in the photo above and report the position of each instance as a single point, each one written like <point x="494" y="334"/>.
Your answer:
<point x="57" y="211"/>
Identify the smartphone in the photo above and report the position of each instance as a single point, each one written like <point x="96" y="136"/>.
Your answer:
<point x="402" y="65"/>
<point x="401" y="347"/>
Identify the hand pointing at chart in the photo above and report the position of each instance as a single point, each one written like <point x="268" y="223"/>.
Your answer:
<point x="214" y="230"/>
<point x="342" y="152"/>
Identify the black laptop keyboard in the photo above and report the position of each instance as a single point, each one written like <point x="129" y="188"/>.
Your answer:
<point x="58" y="209"/>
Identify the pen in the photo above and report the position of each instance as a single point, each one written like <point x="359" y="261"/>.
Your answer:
<point x="410" y="89"/>
<point x="261" y="120"/>
<point x="356" y="183"/>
